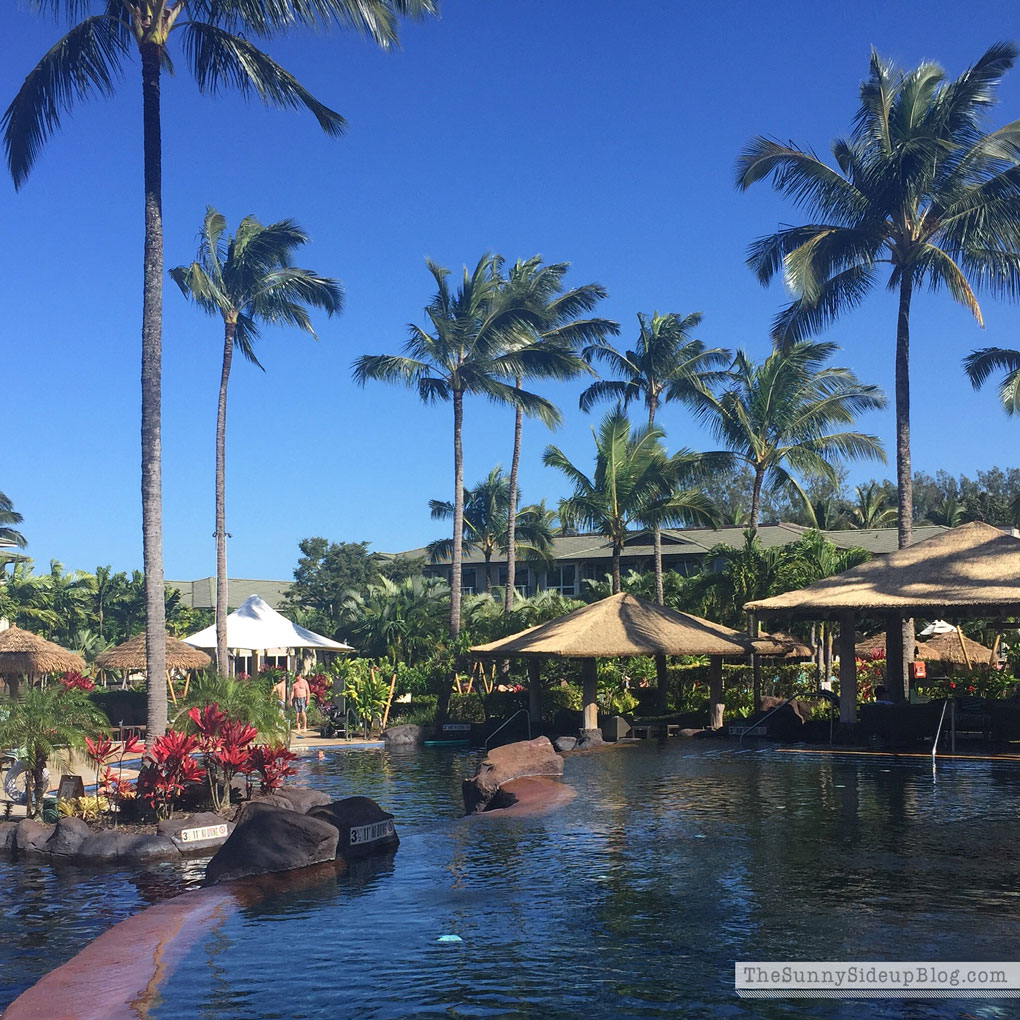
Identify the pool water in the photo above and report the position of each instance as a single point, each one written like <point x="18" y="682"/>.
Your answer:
<point x="634" y="900"/>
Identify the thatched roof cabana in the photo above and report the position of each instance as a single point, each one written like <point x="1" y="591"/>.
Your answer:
<point x="23" y="653"/>
<point x="971" y="570"/>
<point x="131" y="655"/>
<point x="875" y="643"/>
<point x="623" y="626"/>
<point x="786" y="646"/>
<point x="946" y="648"/>
<point x="620" y="626"/>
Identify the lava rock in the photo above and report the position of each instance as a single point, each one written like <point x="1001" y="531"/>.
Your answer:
<point x="269" y="838"/>
<point x="589" y="738"/>
<point x="32" y="836"/>
<point x="115" y="845"/>
<point x="296" y="798"/>
<point x="100" y="846"/>
<point x="364" y="828"/>
<point x="692" y="732"/>
<point x="8" y="832"/>
<point x="173" y="827"/>
<point x="565" y="743"/>
<point x="511" y="761"/>
<point x="68" y="837"/>
<point x="405" y="735"/>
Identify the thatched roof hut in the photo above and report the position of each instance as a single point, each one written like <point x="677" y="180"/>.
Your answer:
<point x="23" y="653"/>
<point x="876" y="643"/>
<point x="971" y="570"/>
<point x="946" y="648"/>
<point x="131" y="655"/>
<point x="789" y="646"/>
<point x="624" y="625"/>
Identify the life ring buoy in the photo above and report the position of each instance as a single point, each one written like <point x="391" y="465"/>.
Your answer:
<point x="14" y="782"/>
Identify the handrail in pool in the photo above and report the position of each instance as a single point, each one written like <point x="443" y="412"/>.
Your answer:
<point x="507" y="723"/>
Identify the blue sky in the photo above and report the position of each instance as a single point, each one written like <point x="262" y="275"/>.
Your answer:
<point x="599" y="133"/>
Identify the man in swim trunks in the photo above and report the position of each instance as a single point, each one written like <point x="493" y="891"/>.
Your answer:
<point x="299" y="695"/>
<point x="280" y="693"/>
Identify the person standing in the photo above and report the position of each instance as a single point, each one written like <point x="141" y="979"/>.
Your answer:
<point x="280" y="695"/>
<point x="299" y="696"/>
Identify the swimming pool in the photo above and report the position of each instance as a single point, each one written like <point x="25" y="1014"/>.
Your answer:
<point x="634" y="899"/>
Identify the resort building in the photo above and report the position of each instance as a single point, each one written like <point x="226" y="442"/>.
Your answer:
<point x="576" y="558"/>
<point x="201" y="594"/>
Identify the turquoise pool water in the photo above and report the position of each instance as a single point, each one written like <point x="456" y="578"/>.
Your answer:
<point x="632" y="901"/>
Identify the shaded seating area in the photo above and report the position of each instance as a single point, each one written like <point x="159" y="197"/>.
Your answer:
<point x="970" y="572"/>
<point x="24" y="655"/>
<point x="181" y="659"/>
<point x="623" y="626"/>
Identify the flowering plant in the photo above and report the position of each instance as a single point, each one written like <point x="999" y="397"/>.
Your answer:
<point x="168" y="770"/>
<point x="75" y="681"/>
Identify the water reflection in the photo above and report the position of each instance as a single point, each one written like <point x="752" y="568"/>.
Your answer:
<point x="634" y="900"/>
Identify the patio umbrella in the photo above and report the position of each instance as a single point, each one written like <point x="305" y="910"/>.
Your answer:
<point x="937" y="627"/>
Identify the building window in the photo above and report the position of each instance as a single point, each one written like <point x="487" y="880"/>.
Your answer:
<point x="562" y="579"/>
<point x="521" y="578"/>
<point x="468" y="581"/>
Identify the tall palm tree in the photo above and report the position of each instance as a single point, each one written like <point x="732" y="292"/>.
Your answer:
<point x="917" y="186"/>
<point x="488" y="525"/>
<point x="779" y="417"/>
<point x="667" y="364"/>
<point x="566" y="327"/>
<point x="248" y="279"/>
<point x="87" y="62"/>
<point x="871" y="509"/>
<point x="479" y="339"/>
<point x="8" y="517"/>
<point x="635" y="483"/>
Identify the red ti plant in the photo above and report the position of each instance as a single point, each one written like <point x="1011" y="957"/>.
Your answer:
<point x="75" y="681"/>
<point x="320" y="685"/>
<point x="272" y="765"/>
<point x="102" y="753"/>
<point x="168" y="770"/>
<point x="225" y="749"/>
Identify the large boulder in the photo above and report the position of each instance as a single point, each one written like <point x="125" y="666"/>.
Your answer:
<point x="565" y="743"/>
<point x="511" y="761"/>
<point x="268" y="839"/>
<point x="31" y="836"/>
<point x="68" y="837"/>
<point x="405" y="735"/>
<point x="296" y="798"/>
<point x="100" y="846"/>
<point x="197" y="834"/>
<point x="365" y="829"/>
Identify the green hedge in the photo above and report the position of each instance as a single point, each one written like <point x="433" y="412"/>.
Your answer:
<point x="127" y="707"/>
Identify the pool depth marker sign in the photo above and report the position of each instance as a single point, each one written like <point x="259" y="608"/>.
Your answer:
<point x="203" y="833"/>
<point x="361" y="834"/>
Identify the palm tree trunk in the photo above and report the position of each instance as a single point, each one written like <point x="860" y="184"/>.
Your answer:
<point x="222" y="653"/>
<point x="458" y="512"/>
<point x="511" y="528"/>
<point x="660" y="592"/>
<point x="759" y="478"/>
<point x="617" y="554"/>
<point x="904" y="481"/>
<point x="488" y="572"/>
<point x="152" y="354"/>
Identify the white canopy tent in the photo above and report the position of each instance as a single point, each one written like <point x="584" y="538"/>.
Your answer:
<point x="255" y="627"/>
<point x="938" y="627"/>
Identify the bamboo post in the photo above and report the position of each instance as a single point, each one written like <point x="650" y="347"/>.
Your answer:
<point x="995" y="653"/>
<point x="963" y="648"/>
<point x="170" y="684"/>
<point x="389" y="700"/>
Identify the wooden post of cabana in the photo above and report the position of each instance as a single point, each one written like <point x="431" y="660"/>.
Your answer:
<point x="847" y="668"/>
<point x="589" y="694"/>
<point x="716" y="707"/>
<point x="662" y="684"/>
<point x="896" y="684"/>
<point x="535" y="691"/>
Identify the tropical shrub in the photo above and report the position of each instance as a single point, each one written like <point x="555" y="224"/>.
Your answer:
<point x="168" y="771"/>
<point x="41" y="721"/>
